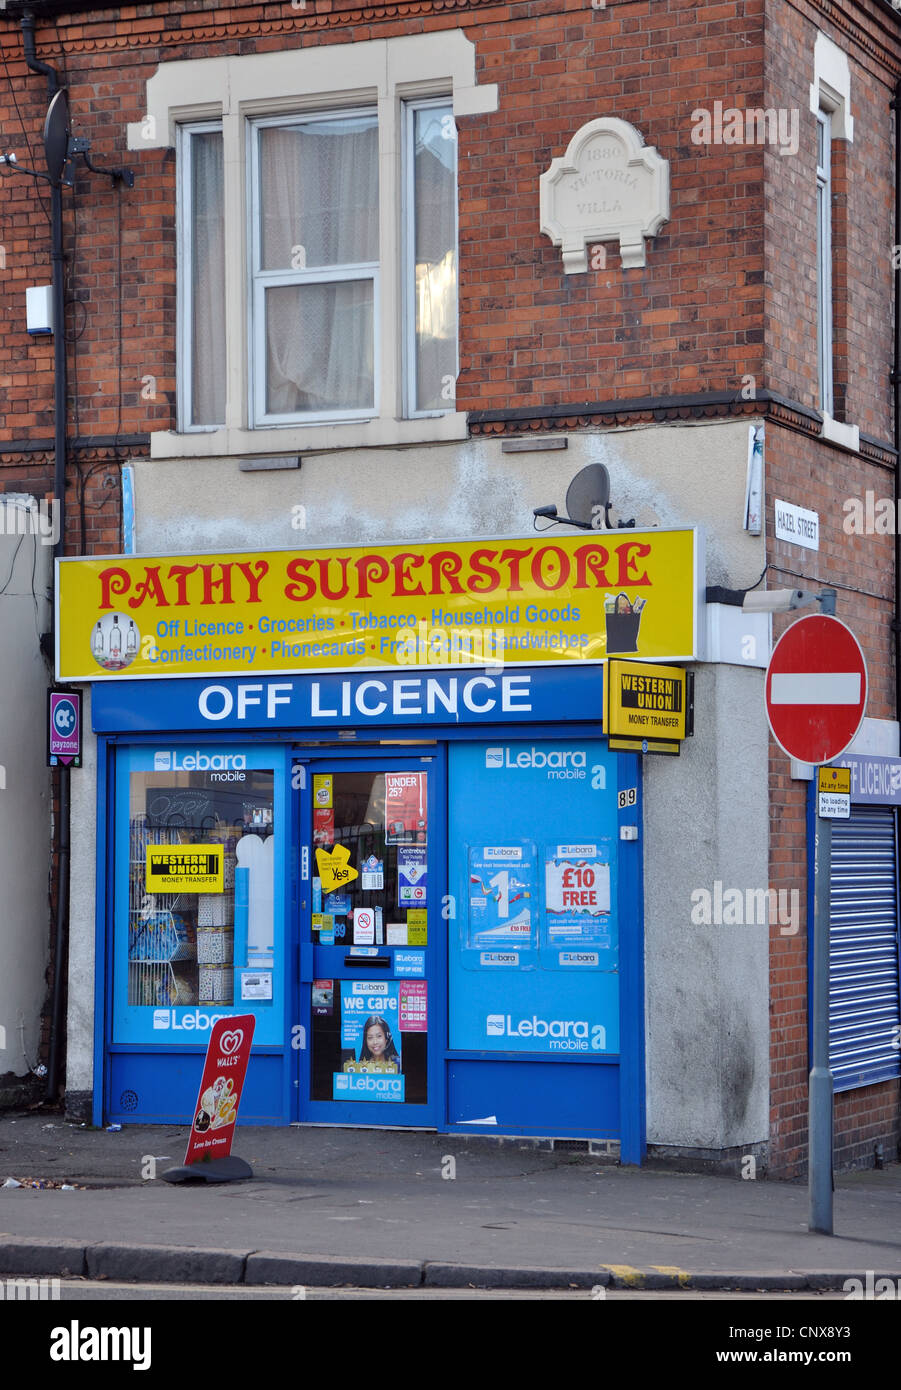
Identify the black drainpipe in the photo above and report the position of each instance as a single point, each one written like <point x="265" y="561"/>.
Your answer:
<point x="61" y="925"/>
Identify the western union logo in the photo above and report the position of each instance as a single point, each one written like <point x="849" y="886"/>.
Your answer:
<point x="185" y="869"/>
<point x="653" y="693"/>
<point x="644" y="700"/>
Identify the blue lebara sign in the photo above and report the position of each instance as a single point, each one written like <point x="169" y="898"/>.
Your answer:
<point x="465" y="696"/>
<point x="533" y="867"/>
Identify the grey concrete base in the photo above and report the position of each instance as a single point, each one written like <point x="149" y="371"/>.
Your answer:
<point x="18" y="1092"/>
<point x="325" y="1271"/>
<point x="453" y="1276"/>
<point x="175" y="1264"/>
<point x="163" y="1264"/>
<point x="726" y="1161"/>
<point x="19" y="1255"/>
<point x="79" y="1107"/>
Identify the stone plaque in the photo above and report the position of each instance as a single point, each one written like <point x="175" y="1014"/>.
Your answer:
<point x="609" y="186"/>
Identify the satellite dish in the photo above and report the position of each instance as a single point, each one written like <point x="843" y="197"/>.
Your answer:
<point x="56" y="135"/>
<point x="590" y="488"/>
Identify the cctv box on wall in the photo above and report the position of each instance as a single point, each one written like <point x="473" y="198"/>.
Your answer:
<point x="39" y="308"/>
<point x="738" y="638"/>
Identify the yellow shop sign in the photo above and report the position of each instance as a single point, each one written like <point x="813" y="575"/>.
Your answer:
<point x="645" y="702"/>
<point x="470" y="603"/>
<point x="185" y="869"/>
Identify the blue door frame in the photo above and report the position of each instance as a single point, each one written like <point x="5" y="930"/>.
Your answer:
<point x="431" y="759"/>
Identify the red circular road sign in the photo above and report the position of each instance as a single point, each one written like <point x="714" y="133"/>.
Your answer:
<point x="816" y="689"/>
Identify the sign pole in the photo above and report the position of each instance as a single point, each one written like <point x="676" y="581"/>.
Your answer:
<point x="819" y="1128"/>
<point x="820" y="1099"/>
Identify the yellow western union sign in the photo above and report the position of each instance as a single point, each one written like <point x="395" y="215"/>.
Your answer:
<point x="185" y="869"/>
<point x="512" y="601"/>
<point x="645" y="702"/>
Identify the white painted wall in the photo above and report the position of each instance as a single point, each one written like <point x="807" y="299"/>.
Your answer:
<point x="707" y="987"/>
<point x="24" y="791"/>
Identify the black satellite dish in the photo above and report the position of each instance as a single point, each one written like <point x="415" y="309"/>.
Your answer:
<point x="589" y="489"/>
<point x="56" y="136"/>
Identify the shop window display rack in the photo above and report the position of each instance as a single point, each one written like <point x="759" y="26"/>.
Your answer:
<point x="180" y="945"/>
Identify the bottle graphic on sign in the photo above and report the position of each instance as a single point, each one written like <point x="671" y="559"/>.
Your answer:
<point x="115" y="641"/>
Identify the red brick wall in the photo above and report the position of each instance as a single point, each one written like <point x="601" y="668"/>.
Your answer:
<point x="862" y="222"/>
<point x="801" y="469"/>
<point x="692" y="319"/>
<point x="820" y="477"/>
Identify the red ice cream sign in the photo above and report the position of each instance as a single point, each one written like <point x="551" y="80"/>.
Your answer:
<point x="216" y="1108"/>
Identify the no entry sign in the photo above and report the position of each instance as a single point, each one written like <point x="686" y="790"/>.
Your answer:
<point x="816" y="689"/>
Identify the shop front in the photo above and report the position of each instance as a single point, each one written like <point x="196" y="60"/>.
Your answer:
<point x="424" y="880"/>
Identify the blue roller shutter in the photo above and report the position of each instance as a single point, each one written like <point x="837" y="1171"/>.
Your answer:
<point x="864" y="1011"/>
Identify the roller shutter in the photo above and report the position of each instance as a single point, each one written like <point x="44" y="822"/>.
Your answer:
<point x="864" y="1012"/>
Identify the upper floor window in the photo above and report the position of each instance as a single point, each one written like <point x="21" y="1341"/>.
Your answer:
<point x="201" y="279"/>
<point x="824" y="261"/>
<point x="318" y="243"/>
<point x="430" y="185"/>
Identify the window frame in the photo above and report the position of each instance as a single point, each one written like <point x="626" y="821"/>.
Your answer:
<point x="825" y="336"/>
<point x="259" y="280"/>
<point x="409" y="378"/>
<point x="184" y="290"/>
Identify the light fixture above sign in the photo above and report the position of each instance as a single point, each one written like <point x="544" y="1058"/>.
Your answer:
<point x="609" y="186"/>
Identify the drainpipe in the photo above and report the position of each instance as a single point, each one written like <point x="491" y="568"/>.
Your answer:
<point x="61" y="925"/>
<point x="31" y="57"/>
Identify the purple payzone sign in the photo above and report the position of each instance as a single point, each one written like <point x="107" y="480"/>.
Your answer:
<point x="64" y="727"/>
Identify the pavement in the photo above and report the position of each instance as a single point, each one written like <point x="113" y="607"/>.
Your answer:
<point x="392" y="1209"/>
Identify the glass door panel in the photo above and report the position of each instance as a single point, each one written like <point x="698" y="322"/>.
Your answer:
<point x="374" y="866"/>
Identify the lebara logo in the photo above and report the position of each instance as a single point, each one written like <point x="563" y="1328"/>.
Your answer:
<point x="562" y="1034"/>
<point x="560" y="764"/>
<point x="187" y="1020"/>
<point x="173" y="760"/>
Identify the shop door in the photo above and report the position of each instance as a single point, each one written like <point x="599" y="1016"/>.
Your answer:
<point x="372" y="972"/>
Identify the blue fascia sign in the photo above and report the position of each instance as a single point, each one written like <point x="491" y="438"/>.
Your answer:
<point x="472" y="696"/>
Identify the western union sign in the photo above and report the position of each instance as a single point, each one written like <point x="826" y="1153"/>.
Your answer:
<point x="645" y="702"/>
<point x="185" y="869"/>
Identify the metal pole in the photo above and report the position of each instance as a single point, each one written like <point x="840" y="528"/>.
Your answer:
<point x="61" y="926"/>
<point x="820" y="1123"/>
<point x="819" y="1157"/>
